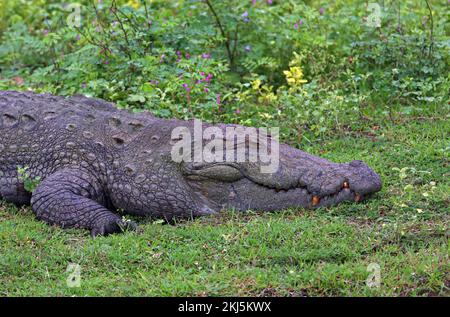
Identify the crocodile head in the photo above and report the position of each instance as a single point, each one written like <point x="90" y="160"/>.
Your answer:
<point x="299" y="180"/>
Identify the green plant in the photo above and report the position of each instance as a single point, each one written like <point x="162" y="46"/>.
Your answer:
<point x="186" y="58"/>
<point x="29" y="183"/>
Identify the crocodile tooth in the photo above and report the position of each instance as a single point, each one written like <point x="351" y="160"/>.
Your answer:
<point x="315" y="200"/>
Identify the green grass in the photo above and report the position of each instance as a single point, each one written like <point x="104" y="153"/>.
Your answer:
<point x="404" y="229"/>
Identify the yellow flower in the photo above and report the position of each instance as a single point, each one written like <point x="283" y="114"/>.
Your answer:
<point x="134" y="4"/>
<point x="294" y="76"/>
<point x="255" y="84"/>
<point x="266" y="116"/>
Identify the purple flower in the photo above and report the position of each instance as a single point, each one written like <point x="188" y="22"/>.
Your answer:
<point x="186" y="87"/>
<point x="218" y="99"/>
<point x="206" y="89"/>
<point x="321" y="11"/>
<point x="83" y="85"/>
<point x="296" y="25"/>
<point x="248" y="48"/>
<point x="253" y="2"/>
<point x="45" y="32"/>
<point x="78" y="37"/>
<point x="206" y="56"/>
<point x="269" y="2"/>
<point x="245" y="17"/>
<point x="106" y="62"/>
<point x="238" y="111"/>
<point x="208" y="78"/>
<point x="202" y="73"/>
<point x="187" y="55"/>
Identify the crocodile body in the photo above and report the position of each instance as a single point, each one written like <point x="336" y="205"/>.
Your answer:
<point x="94" y="160"/>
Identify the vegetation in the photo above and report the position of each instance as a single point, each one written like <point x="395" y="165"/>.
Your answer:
<point x="341" y="79"/>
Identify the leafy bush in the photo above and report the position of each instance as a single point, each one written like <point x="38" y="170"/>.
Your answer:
<point x="304" y="67"/>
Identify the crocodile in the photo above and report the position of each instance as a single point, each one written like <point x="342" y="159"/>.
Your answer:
<point x="96" y="162"/>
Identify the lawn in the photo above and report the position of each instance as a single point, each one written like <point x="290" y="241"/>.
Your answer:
<point x="343" y="79"/>
<point x="403" y="230"/>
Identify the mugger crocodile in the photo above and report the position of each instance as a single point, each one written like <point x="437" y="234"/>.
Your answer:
<point x="94" y="160"/>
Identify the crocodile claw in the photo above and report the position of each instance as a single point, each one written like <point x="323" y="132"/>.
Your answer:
<point x="113" y="226"/>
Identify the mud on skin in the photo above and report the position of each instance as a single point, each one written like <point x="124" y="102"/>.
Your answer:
<point x="94" y="159"/>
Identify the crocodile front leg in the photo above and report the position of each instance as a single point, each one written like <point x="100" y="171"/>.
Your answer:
<point x="71" y="198"/>
<point x="12" y="188"/>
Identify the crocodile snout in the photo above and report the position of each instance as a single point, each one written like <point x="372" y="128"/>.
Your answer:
<point x="362" y="180"/>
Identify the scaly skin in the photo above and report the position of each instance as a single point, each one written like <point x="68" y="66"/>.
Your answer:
<point x="94" y="159"/>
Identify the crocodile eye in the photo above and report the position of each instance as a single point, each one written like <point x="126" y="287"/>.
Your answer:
<point x="221" y="172"/>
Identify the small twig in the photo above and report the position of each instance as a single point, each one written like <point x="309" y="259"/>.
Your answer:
<point x="432" y="27"/>
<point x="54" y="59"/>
<point x="146" y="10"/>
<point x="113" y="9"/>
<point x="91" y="40"/>
<point x="222" y="31"/>
<point x="105" y="27"/>
<point x="132" y="24"/>
<point x="148" y="24"/>
<point x="235" y="41"/>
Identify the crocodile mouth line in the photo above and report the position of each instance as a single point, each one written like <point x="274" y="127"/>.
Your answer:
<point x="315" y="199"/>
